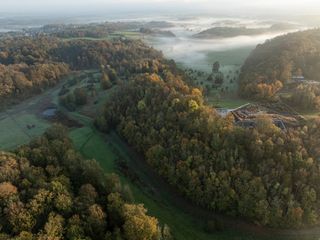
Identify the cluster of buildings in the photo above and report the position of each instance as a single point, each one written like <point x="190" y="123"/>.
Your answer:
<point x="247" y="116"/>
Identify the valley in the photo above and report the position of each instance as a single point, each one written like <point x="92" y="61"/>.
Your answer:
<point x="156" y="124"/>
<point x="185" y="220"/>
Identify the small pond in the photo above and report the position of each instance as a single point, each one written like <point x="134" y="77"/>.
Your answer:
<point x="50" y="112"/>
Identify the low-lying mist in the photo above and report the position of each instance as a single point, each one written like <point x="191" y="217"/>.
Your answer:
<point x="193" y="52"/>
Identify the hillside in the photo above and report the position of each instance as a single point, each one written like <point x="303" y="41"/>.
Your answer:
<point x="228" y="32"/>
<point x="157" y="33"/>
<point x="271" y="66"/>
<point x="29" y="65"/>
<point x="224" y="168"/>
<point x="48" y="191"/>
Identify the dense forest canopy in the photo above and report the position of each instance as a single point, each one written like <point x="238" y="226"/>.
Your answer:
<point x="48" y="191"/>
<point x="29" y="65"/>
<point x="263" y="174"/>
<point x="274" y="64"/>
<point x="96" y="30"/>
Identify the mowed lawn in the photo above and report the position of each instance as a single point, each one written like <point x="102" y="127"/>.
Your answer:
<point x="92" y="145"/>
<point x="14" y="131"/>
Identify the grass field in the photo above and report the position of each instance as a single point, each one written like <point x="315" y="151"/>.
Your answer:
<point x="14" y="131"/>
<point x="224" y="95"/>
<point x="92" y="145"/>
<point x="230" y="102"/>
<point x="14" y="120"/>
<point x="229" y="57"/>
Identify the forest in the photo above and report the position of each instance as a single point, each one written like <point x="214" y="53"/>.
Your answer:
<point x="99" y="30"/>
<point x="29" y="65"/>
<point x="305" y="97"/>
<point x="273" y="66"/>
<point x="265" y="175"/>
<point x="229" y="32"/>
<point x="48" y="191"/>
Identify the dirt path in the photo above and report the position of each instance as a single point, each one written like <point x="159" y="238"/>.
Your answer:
<point x="32" y="104"/>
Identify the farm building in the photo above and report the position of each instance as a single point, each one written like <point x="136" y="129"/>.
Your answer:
<point x="247" y="115"/>
<point x="298" y="78"/>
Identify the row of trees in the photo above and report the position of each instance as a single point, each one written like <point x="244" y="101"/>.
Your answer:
<point x="47" y="191"/>
<point x="266" y="175"/>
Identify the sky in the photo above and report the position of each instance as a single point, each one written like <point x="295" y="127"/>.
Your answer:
<point x="295" y="6"/>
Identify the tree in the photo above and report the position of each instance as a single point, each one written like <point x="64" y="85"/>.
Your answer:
<point x="96" y="220"/>
<point x="19" y="217"/>
<point x="219" y="79"/>
<point x="139" y="226"/>
<point x="216" y="67"/>
<point x="7" y="190"/>
<point x="105" y="81"/>
<point x="74" y="228"/>
<point x="80" y="96"/>
<point x="53" y="229"/>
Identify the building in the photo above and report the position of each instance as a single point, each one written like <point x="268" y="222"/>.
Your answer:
<point x="298" y="78"/>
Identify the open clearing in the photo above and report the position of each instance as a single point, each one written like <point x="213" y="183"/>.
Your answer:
<point x="14" y="131"/>
<point x="229" y="57"/>
<point x="226" y="94"/>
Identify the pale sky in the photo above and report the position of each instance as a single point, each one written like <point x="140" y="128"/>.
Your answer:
<point x="303" y="6"/>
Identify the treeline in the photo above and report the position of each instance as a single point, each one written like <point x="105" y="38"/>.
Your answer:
<point x="96" y="30"/>
<point x="305" y="97"/>
<point x="265" y="175"/>
<point x="47" y="191"/>
<point x="76" y="31"/>
<point x="272" y="64"/>
<point x="31" y="64"/>
<point x="228" y="32"/>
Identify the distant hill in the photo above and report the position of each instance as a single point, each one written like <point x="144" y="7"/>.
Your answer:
<point x="158" y="24"/>
<point x="272" y="64"/>
<point x="225" y="32"/>
<point x="157" y="33"/>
